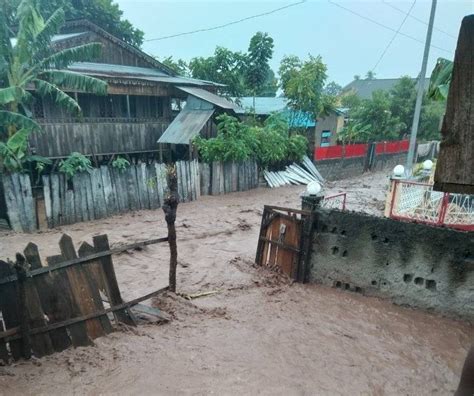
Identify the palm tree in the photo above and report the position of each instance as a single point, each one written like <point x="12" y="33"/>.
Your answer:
<point x="30" y="63"/>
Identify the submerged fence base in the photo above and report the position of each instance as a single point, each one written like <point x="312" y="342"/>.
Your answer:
<point x="107" y="191"/>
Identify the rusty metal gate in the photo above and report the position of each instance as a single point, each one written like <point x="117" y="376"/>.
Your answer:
<point x="284" y="241"/>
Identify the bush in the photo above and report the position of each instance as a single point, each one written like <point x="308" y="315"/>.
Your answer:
<point x="75" y="163"/>
<point x="236" y="141"/>
<point x="120" y="164"/>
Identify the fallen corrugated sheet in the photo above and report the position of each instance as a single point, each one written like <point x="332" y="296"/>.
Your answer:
<point x="186" y="125"/>
<point x="294" y="174"/>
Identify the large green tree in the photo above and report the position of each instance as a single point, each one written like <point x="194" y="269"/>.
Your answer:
<point x="389" y="115"/>
<point x="104" y="13"/>
<point x="303" y="84"/>
<point x="257" y="69"/>
<point x="373" y="120"/>
<point x="30" y="66"/>
<point x="402" y="101"/>
<point x="243" y="74"/>
<point x="225" y="67"/>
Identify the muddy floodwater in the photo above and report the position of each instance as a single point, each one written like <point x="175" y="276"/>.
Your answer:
<point x="259" y="333"/>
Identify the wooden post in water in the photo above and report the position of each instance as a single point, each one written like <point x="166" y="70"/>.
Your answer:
<point x="170" y="207"/>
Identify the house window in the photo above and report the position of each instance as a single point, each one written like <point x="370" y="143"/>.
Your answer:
<point x="325" y="138"/>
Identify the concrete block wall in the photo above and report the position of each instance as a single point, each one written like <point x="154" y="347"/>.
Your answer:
<point x="341" y="168"/>
<point x="344" y="168"/>
<point x="411" y="264"/>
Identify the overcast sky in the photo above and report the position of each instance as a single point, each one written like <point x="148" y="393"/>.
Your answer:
<point x="348" y="43"/>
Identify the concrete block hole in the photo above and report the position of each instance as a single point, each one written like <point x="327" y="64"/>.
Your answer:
<point x="407" y="278"/>
<point x="335" y="250"/>
<point x="419" y="281"/>
<point x="430" y="284"/>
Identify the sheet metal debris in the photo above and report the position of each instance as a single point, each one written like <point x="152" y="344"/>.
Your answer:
<point x="304" y="173"/>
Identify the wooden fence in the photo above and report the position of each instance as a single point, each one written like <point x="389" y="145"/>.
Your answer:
<point x="107" y="191"/>
<point x="47" y="308"/>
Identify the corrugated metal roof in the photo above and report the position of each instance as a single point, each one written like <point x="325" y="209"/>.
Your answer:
<point x="137" y="73"/>
<point x="364" y="88"/>
<point x="187" y="124"/>
<point x="210" y="97"/>
<point x="56" y="37"/>
<point x="263" y="106"/>
<point x="109" y="69"/>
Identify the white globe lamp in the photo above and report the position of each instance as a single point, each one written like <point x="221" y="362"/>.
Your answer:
<point x="427" y="165"/>
<point x="398" y="171"/>
<point x="313" y="188"/>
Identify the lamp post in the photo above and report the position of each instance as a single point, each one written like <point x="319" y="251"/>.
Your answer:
<point x="419" y="95"/>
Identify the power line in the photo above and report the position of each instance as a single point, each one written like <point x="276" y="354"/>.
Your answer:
<point x="229" y="23"/>
<point x="395" y="35"/>
<point x="419" y="20"/>
<point x="387" y="27"/>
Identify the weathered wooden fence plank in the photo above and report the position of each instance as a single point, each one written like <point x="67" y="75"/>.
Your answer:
<point x="81" y="288"/>
<point x="141" y="186"/>
<point x="93" y="277"/>
<point x="28" y="202"/>
<point x="98" y="194"/>
<point x="197" y="178"/>
<point x="54" y="299"/>
<point x="134" y="202"/>
<point x="109" y="192"/>
<point x="205" y="172"/>
<point x="11" y="200"/>
<point x="227" y="175"/>
<point x="9" y="307"/>
<point x="101" y="243"/>
<point x="91" y="210"/>
<point x="152" y="186"/>
<point x="187" y="167"/>
<point x="160" y="180"/>
<point x="70" y="215"/>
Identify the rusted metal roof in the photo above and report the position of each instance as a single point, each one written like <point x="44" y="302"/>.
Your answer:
<point x="219" y="101"/>
<point x="187" y="124"/>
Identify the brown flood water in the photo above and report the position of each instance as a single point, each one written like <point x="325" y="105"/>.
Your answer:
<point x="260" y="334"/>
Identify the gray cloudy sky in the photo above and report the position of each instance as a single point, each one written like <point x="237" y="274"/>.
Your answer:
<point x="348" y="43"/>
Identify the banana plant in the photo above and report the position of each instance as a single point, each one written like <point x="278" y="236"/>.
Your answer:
<point x="14" y="153"/>
<point x="440" y="79"/>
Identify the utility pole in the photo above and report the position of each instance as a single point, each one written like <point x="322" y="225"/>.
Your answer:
<point x="421" y="91"/>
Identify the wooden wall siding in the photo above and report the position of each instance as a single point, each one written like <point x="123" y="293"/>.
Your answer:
<point x="60" y="140"/>
<point x="111" y="52"/>
<point x="106" y="191"/>
<point x="110" y="106"/>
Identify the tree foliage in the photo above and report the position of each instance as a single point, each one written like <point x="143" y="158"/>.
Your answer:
<point x="303" y="84"/>
<point x="257" y="70"/>
<point x="243" y="74"/>
<point x="389" y="115"/>
<point x="104" y="13"/>
<point x="268" y="144"/>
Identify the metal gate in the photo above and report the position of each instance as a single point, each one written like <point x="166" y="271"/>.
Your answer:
<point x="284" y="241"/>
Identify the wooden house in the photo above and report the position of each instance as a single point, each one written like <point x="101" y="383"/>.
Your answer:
<point x="143" y="98"/>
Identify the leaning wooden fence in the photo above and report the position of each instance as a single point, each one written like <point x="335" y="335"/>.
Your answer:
<point x="107" y="191"/>
<point x="48" y="308"/>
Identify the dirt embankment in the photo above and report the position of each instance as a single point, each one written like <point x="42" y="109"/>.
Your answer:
<point x="260" y="334"/>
